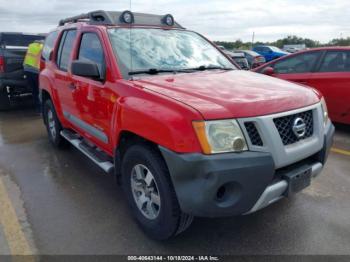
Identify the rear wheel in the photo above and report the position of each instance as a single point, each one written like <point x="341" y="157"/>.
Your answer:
<point x="150" y="193"/>
<point x="53" y="125"/>
<point x="4" y="99"/>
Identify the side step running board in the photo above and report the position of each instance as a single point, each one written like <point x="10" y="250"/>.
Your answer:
<point x="89" y="151"/>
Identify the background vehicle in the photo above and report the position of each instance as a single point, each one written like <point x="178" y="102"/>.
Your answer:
<point x="239" y="58"/>
<point x="187" y="134"/>
<point x="13" y="85"/>
<point x="254" y="59"/>
<point x="326" y="69"/>
<point x="269" y="52"/>
<point x="221" y="47"/>
<point x="294" y="48"/>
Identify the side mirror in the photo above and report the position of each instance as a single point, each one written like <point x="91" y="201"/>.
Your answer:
<point x="270" y="52"/>
<point x="85" y="69"/>
<point x="269" y="71"/>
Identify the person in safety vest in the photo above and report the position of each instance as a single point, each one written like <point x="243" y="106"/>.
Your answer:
<point x="31" y="66"/>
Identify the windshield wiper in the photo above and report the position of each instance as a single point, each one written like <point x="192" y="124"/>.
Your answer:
<point x="204" y="68"/>
<point x="152" y="71"/>
<point x="155" y="71"/>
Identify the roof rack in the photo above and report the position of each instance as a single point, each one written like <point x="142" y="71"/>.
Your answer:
<point x="101" y="17"/>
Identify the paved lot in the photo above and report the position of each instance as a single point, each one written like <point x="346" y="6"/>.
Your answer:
<point x="57" y="202"/>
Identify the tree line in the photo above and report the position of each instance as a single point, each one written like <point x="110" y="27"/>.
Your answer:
<point x="290" y="40"/>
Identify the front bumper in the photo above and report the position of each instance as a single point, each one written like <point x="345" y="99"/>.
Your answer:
<point x="234" y="184"/>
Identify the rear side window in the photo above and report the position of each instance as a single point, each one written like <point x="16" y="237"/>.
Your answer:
<point x="65" y="49"/>
<point x="302" y="63"/>
<point x="49" y="45"/>
<point x="336" y="61"/>
<point x="91" y="50"/>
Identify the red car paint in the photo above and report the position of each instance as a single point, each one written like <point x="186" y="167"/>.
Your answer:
<point x="162" y="108"/>
<point x="334" y="86"/>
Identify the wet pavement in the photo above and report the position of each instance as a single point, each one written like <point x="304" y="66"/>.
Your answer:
<point x="58" y="202"/>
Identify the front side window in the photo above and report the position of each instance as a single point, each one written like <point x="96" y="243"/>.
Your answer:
<point x="336" y="61"/>
<point x="140" y="49"/>
<point x="302" y="63"/>
<point x="91" y="51"/>
<point x="65" y="49"/>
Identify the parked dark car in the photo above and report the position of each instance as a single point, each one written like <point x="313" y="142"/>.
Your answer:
<point x="254" y="59"/>
<point x="13" y="84"/>
<point x="270" y="52"/>
<point x="239" y="58"/>
<point x="326" y="69"/>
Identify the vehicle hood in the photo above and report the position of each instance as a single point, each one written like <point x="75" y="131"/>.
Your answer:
<point x="231" y="94"/>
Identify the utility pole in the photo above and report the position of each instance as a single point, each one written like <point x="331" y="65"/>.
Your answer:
<point x="253" y="39"/>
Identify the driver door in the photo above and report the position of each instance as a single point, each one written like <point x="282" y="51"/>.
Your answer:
<point x="94" y="96"/>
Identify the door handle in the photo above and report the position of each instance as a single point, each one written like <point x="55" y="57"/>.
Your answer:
<point x="72" y="86"/>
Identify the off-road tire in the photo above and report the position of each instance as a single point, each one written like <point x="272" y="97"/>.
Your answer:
<point x="49" y="115"/>
<point x="170" y="221"/>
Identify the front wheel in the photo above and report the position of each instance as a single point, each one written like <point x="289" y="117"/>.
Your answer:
<point x="150" y="193"/>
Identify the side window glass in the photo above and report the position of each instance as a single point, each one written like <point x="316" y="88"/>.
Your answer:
<point x="302" y="63"/>
<point x="49" y="45"/>
<point x="336" y="61"/>
<point x="266" y="49"/>
<point x="91" y="51"/>
<point x="65" y="49"/>
<point x="59" y="52"/>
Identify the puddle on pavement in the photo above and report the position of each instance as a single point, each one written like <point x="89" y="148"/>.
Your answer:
<point x="20" y="126"/>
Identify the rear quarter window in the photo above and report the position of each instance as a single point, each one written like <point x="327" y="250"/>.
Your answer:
<point x="49" y="45"/>
<point x="65" y="49"/>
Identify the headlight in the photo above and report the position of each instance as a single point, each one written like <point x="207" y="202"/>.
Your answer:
<point x="220" y="136"/>
<point x="324" y="111"/>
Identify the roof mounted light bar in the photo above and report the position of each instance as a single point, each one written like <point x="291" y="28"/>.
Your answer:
<point x="101" y="17"/>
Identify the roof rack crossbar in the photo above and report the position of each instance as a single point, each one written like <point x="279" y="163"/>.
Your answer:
<point x="96" y="16"/>
<point x="101" y="17"/>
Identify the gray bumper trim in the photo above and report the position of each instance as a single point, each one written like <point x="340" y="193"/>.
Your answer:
<point x="276" y="191"/>
<point x="271" y="195"/>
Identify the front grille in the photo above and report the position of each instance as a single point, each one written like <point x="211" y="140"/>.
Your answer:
<point x="284" y="126"/>
<point x="253" y="133"/>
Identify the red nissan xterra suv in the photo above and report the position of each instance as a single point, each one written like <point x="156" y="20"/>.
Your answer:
<point x="185" y="133"/>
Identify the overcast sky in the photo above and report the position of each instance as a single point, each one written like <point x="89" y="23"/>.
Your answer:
<point x="227" y="20"/>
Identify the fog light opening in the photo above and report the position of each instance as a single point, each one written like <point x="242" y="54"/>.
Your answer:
<point x="220" y="195"/>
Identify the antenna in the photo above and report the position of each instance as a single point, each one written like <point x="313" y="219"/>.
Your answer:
<point x="130" y="36"/>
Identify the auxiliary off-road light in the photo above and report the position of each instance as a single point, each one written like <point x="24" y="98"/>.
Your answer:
<point x="168" y="20"/>
<point x="127" y="17"/>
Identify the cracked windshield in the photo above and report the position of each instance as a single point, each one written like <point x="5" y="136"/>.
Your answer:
<point x="158" y="49"/>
